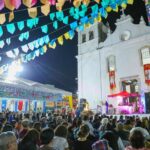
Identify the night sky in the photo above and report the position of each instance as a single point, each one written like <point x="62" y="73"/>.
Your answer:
<point x="59" y="66"/>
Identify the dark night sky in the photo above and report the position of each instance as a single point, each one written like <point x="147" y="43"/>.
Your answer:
<point x="59" y="66"/>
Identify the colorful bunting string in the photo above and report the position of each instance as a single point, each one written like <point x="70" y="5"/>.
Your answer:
<point x="59" y="15"/>
<point x="84" y="22"/>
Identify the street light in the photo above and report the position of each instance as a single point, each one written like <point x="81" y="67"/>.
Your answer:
<point x="13" y="69"/>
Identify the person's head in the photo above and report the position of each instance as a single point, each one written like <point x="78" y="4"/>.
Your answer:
<point x="136" y="139"/>
<point x="65" y="124"/>
<point x="32" y="136"/>
<point x="85" y="117"/>
<point x="119" y="126"/>
<point x="61" y="131"/>
<point x="25" y="123"/>
<point x="112" y="140"/>
<point x="138" y="123"/>
<point x="8" y="141"/>
<point x="104" y="121"/>
<point x="37" y="126"/>
<point x="46" y="136"/>
<point x="79" y="122"/>
<point x="100" y="145"/>
<point x="84" y="131"/>
<point x="7" y="127"/>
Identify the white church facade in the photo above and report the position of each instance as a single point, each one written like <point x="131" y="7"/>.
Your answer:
<point x="109" y="63"/>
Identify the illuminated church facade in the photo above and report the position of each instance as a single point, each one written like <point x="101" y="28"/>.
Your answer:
<point x="109" y="63"/>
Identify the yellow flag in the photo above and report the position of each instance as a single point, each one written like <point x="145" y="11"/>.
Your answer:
<point x="27" y="3"/>
<point x="11" y="16"/>
<point x="87" y="25"/>
<point x="52" y="46"/>
<point x="32" y="12"/>
<point x="9" y="5"/>
<point x="130" y="2"/>
<point x="124" y="6"/>
<point x="45" y="9"/>
<point x="70" y="101"/>
<point x="61" y="2"/>
<point x="45" y="48"/>
<point x="99" y="18"/>
<point x="2" y="18"/>
<point x="86" y="2"/>
<point x="97" y="1"/>
<point x="108" y="9"/>
<point x="77" y="3"/>
<point x="59" y="6"/>
<point x="44" y="1"/>
<point x="60" y="40"/>
<point x="66" y="35"/>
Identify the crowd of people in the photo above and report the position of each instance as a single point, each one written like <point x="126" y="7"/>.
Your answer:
<point x="51" y="131"/>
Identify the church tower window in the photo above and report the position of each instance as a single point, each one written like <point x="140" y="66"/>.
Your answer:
<point x="83" y="38"/>
<point x="102" y="30"/>
<point x="91" y="35"/>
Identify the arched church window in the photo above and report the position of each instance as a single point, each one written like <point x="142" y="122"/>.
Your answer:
<point x="83" y="38"/>
<point x="91" y="35"/>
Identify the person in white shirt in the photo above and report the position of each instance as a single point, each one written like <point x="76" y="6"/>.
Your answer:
<point x="59" y="141"/>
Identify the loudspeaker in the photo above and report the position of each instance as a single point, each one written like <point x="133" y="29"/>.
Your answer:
<point x="147" y="102"/>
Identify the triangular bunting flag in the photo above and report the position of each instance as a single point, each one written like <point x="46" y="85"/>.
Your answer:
<point x="45" y="48"/>
<point x="52" y="16"/>
<point x="16" y="52"/>
<point x="16" y="3"/>
<point x="66" y="35"/>
<point x="25" y="48"/>
<point x="1" y="4"/>
<point x="2" y="44"/>
<point x="11" y="28"/>
<point x="1" y="31"/>
<point x="77" y="3"/>
<point x="73" y="25"/>
<point x="45" y="9"/>
<point x="8" y="41"/>
<point x="60" y="40"/>
<point x="31" y="46"/>
<point x="60" y="15"/>
<point x="130" y="2"/>
<point x="71" y="11"/>
<point x="44" y="1"/>
<point x="32" y="12"/>
<point x="20" y="25"/>
<point x="52" y="2"/>
<point x="9" y="5"/>
<point x="10" y="54"/>
<point x="46" y="39"/>
<point x="11" y="16"/>
<point x="108" y="9"/>
<point x="37" y="53"/>
<point x="97" y="1"/>
<point x="27" y="3"/>
<point x="3" y="18"/>
<point x="55" y="25"/>
<point x="86" y="2"/>
<point x="65" y="20"/>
